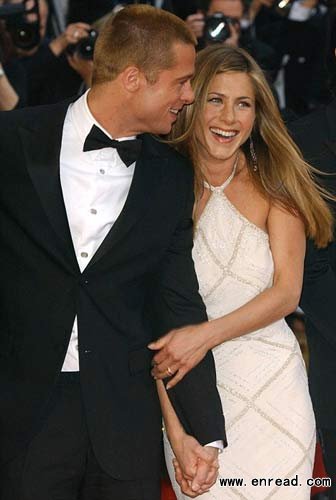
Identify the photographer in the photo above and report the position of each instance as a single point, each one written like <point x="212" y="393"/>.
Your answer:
<point x="49" y="75"/>
<point x="12" y="78"/>
<point x="91" y="10"/>
<point x="224" y="22"/>
<point x="296" y="29"/>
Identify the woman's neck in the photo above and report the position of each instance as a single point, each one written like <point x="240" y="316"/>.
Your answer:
<point x="217" y="172"/>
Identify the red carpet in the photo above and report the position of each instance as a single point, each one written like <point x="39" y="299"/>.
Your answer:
<point x="167" y="491"/>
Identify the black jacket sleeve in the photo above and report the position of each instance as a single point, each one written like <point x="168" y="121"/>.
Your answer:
<point x="195" y="399"/>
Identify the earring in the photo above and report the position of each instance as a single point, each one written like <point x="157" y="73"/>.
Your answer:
<point x="253" y="155"/>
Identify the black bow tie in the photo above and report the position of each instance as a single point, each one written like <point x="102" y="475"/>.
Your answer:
<point x="127" y="150"/>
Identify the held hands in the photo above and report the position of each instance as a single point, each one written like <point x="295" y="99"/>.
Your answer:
<point x="179" y="351"/>
<point x="196" y="467"/>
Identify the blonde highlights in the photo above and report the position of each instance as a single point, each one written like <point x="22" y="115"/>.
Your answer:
<point x="282" y="176"/>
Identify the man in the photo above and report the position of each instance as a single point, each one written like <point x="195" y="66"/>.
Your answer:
<point x="315" y="134"/>
<point x="43" y="69"/>
<point x="240" y="33"/>
<point x="296" y="30"/>
<point x="95" y="263"/>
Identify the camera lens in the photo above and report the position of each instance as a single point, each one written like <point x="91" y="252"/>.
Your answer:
<point x="85" y="47"/>
<point x="25" y="36"/>
<point x="216" y="28"/>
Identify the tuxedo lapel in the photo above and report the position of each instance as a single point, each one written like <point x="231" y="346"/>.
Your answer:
<point x="42" y="145"/>
<point x="148" y="176"/>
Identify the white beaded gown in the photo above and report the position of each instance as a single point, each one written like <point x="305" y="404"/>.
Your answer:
<point x="261" y="376"/>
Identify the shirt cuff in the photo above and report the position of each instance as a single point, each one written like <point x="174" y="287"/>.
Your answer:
<point x="216" y="444"/>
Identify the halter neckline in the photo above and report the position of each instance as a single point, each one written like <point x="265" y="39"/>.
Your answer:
<point x="220" y="189"/>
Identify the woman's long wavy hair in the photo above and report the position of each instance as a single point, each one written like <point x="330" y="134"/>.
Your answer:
<point x="282" y="175"/>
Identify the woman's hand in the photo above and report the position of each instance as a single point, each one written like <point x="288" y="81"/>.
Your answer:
<point x="179" y="351"/>
<point x="196" y="467"/>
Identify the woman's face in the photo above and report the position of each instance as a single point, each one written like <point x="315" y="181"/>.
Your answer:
<point x="228" y="117"/>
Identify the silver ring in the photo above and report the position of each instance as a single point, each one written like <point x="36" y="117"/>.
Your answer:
<point x="169" y="371"/>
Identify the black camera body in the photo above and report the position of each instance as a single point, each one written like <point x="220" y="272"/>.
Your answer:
<point x="84" y="47"/>
<point x="25" y="33"/>
<point x="217" y="28"/>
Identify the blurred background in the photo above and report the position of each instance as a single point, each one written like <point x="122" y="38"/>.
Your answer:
<point x="46" y="46"/>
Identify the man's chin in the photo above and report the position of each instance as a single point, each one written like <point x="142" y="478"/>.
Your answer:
<point x="163" y="130"/>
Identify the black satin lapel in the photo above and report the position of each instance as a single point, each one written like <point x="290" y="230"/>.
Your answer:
<point x="42" y="149"/>
<point x="148" y="176"/>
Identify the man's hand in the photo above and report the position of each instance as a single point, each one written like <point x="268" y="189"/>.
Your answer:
<point x="73" y="33"/>
<point x="234" y="35"/>
<point x="179" y="351"/>
<point x="196" y="467"/>
<point x="195" y="23"/>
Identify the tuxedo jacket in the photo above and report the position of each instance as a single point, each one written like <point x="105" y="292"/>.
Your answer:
<point x="315" y="134"/>
<point x="140" y="283"/>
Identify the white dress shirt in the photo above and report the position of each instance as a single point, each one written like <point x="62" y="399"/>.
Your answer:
<point x="95" y="186"/>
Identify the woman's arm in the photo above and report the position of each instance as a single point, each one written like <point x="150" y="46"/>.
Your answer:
<point x="182" y="349"/>
<point x="196" y="467"/>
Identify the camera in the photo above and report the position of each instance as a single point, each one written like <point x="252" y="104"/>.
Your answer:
<point x="22" y="24"/>
<point x="217" y="27"/>
<point x="85" y="47"/>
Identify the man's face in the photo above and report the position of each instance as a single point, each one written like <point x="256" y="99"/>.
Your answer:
<point x="230" y="8"/>
<point x="159" y="103"/>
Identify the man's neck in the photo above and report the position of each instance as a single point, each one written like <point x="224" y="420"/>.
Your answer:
<point x="110" y="110"/>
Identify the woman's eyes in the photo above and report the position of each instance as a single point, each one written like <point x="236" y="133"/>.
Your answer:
<point x="219" y="100"/>
<point x="244" y="104"/>
<point x="216" y="100"/>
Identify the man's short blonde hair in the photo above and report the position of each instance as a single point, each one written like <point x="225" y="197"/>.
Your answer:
<point x="138" y="35"/>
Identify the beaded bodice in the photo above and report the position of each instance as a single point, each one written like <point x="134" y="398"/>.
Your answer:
<point x="232" y="256"/>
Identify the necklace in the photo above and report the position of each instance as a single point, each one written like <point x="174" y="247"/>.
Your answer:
<point x="225" y="183"/>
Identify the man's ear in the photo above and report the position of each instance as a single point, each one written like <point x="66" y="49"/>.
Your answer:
<point x="131" y="78"/>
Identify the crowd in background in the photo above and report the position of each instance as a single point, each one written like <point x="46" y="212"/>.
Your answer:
<point x="52" y="61"/>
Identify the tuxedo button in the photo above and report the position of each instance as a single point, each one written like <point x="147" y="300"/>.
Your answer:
<point x="93" y="211"/>
<point x="87" y="351"/>
<point x="102" y="171"/>
<point x="84" y="254"/>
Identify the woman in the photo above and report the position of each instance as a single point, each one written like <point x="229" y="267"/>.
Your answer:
<point x="256" y="203"/>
